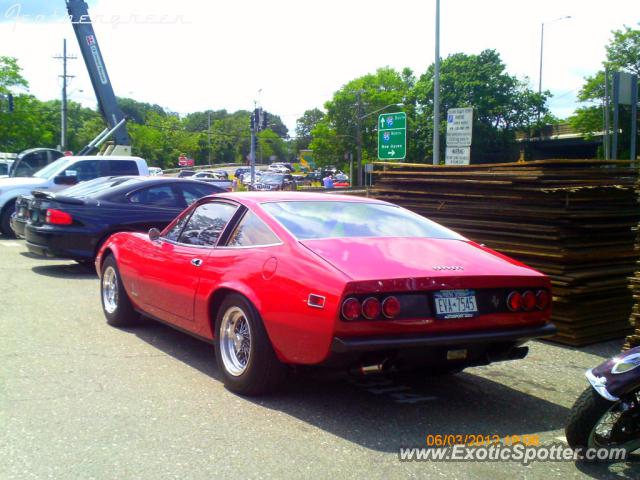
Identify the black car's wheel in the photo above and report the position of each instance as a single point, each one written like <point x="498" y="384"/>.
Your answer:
<point x="5" y="220"/>
<point x="244" y="353"/>
<point x="116" y="305"/>
<point x="595" y="422"/>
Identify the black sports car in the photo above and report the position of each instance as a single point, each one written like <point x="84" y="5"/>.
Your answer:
<point x="74" y="223"/>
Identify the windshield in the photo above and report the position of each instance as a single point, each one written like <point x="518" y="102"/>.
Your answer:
<point x="53" y="168"/>
<point x="334" y="219"/>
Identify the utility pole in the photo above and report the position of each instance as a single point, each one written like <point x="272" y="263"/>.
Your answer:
<point x="605" y="137"/>
<point x="63" y="114"/>
<point x="436" y="92"/>
<point x="359" y="137"/>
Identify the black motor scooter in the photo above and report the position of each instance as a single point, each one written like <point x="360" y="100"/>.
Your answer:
<point x="607" y="414"/>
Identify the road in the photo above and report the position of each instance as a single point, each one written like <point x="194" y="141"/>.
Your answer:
<point x="79" y="399"/>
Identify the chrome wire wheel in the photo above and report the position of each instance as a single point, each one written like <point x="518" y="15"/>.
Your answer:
<point x="235" y="341"/>
<point x="110" y="289"/>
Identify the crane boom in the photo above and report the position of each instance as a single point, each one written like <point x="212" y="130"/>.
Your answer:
<point x="88" y="43"/>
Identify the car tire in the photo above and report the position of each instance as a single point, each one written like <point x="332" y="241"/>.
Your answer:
<point x="5" y="219"/>
<point x="244" y="353"/>
<point x="116" y="305"/>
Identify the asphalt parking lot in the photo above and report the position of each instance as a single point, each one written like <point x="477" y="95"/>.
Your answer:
<point x="79" y="399"/>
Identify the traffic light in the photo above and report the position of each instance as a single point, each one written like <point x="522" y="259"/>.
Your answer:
<point x="263" y="125"/>
<point x="10" y="98"/>
<point x="253" y="121"/>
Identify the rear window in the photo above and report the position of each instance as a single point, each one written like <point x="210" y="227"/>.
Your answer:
<point x="334" y="219"/>
<point x="123" y="167"/>
<point x="93" y="187"/>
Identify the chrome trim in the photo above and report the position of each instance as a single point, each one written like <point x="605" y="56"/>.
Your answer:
<point x="599" y="384"/>
<point x="324" y="300"/>
<point x="227" y="247"/>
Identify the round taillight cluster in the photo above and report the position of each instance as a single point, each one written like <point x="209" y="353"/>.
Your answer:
<point x="371" y="308"/>
<point x="528" y="300"/>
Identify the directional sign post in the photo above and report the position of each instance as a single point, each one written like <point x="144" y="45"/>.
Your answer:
<point x="392" y="136"/>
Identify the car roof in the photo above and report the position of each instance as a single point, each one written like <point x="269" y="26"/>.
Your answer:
<point x="256" y="198"/>
<point x="144" y="182"/>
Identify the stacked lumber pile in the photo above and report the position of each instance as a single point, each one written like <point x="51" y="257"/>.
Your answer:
<point x="571" y="219"/>
<point x="633" y="340"/>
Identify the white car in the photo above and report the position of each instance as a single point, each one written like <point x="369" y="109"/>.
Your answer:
<point x="62" y="173"/>
<point x="153" y="171"/>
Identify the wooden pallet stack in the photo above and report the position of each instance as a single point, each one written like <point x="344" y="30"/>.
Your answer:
<point x="633" y="340"/>
<point x="571" y="219"/>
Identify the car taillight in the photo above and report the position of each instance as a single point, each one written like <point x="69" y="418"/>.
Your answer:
<point x="351" y="309"/>
<point x="391" y="307"/>
<point x="542" y="299"/>
<point x="528" y="300"/>
<point x="371" y="308"/>
<point x="514" y="301"/>
<point x="58" y="217"/>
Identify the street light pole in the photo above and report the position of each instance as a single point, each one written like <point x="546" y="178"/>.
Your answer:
<point x="436" y="92"/>
<point x="541" y="52"/>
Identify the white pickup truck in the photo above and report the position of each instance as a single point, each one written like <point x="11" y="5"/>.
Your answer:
<point x="62" y="173"/>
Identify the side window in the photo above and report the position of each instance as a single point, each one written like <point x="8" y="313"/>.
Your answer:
<point x="174" y="233"/>
<point x="83" y="170"/>
<point x="207" y="223"/>
<point x="251" y="232"/>
<point x="192" y="192"/>
<point x="122" y="167"/>
<point x="158" y="195"/>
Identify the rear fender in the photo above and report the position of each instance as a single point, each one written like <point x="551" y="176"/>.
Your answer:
<point x="617" y="376"/>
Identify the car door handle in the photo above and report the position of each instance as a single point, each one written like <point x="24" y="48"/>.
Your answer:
<point x="196" y="262"/>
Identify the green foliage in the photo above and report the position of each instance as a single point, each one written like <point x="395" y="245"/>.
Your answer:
<point x="304" y="125"/>
<point x="502" y="104"/>
<point x="623" y="54"/>
<point x="10" y="75"/>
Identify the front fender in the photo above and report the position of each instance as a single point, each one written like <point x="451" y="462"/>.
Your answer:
<point x="617" y="376"/>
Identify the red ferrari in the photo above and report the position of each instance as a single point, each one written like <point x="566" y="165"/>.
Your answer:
<point x="275" y="279"/>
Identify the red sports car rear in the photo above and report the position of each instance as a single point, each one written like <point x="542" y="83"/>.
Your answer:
<point x="286" y="278"/>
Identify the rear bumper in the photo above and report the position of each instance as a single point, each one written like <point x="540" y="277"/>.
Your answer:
<point x="47" y="242"/>
<point x="18" y="225"/>
<point x="341" y="345"/>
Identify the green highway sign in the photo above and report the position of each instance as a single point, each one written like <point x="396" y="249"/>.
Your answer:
<point x="392" y="136"/>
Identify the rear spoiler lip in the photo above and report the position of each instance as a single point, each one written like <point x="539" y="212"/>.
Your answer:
<point x="58" y="198"/>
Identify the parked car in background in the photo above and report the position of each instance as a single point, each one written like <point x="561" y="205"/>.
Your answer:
<point x="282" y="279"/>
<point x="5" y="165"/>
<point x="340" y="180"/>
<point x="153" y="171"/>
<point x="280" y="167"/>
<point x="30" y="161"/>
<point x="186" y="173"/>
<point x="215" y="178"/>
<point x="246" y="177"/>
<point x="241" y="171"/>
<point x="74" y="223"/>
<point x="62" y="173"/>
<point x="274" y="181"/>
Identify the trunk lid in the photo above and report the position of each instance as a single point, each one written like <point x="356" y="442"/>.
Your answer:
<point x="365" y="259"/>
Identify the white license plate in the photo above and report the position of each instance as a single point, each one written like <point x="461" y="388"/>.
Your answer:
<point x="455" y="304"/>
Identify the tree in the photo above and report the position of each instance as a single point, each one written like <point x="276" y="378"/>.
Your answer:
<point x="502" y="104"/>
<point x="623" y="54"/>
<point x="304" y="125"/>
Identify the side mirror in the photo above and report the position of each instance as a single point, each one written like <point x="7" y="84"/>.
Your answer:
<point x="65" y="180"/>
<point x="154" y="234"/>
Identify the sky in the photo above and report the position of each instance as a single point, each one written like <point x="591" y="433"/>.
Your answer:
<point x="291" y="56"/>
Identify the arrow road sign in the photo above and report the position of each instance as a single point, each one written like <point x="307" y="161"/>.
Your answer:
<point x="392" y="136"/>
